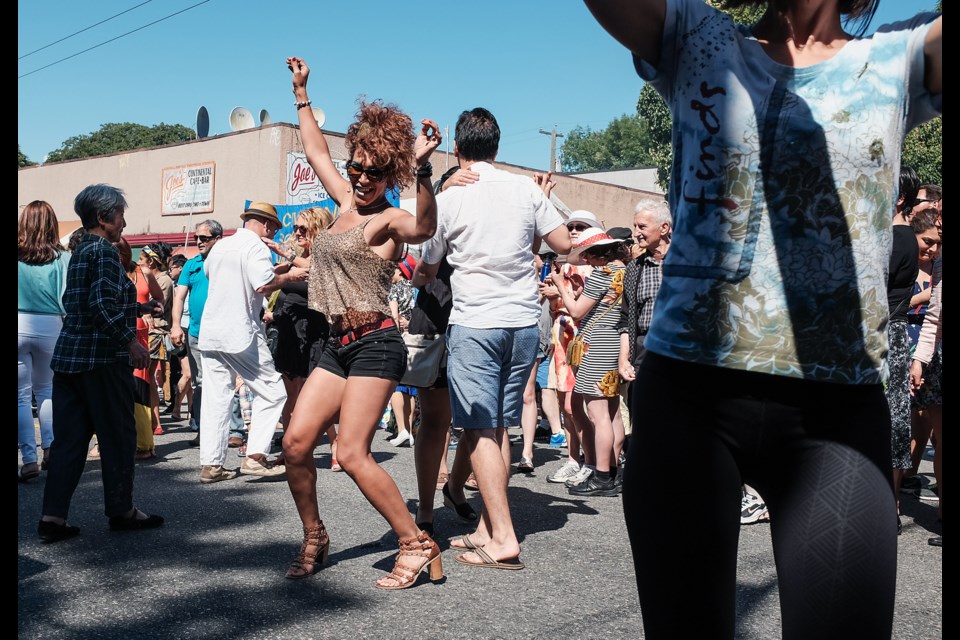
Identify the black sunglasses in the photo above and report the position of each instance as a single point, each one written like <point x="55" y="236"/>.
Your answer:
<point x="299" y="228"/>
<point x="355" y="170"/>
<point x="577" y="227"/>
<point x="205" y="239"/>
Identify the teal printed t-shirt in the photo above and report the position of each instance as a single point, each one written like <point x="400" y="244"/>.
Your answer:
<point x="783" y="190"/>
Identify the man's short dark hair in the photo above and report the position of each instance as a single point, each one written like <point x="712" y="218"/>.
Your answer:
<point x="933" y="192"/>
<point x="477" y="135"/>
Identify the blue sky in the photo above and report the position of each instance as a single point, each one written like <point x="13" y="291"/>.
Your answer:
<point x="533" y="64"/>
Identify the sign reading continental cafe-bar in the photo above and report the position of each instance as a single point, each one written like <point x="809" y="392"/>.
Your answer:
<point x="187" y="189"/>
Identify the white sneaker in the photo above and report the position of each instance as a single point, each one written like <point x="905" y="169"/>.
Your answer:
<point x="580" y="477"/>
<point x="752" y="509"/>
<point x="565" y="472"/>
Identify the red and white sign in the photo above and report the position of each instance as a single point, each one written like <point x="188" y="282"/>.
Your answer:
<point x="187" y="189"/>
<point x="303" y="185"/>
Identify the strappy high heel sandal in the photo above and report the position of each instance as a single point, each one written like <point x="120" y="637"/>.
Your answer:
<point x="313" y="552"/>
<point x="423" y="547"/>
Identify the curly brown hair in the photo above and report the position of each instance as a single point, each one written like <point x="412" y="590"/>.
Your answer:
<point x="384" y="133"/>
<point x="38" y="239"/>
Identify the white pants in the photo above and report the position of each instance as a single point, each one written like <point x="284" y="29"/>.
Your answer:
<point x="36" y="338"/>
<point x="255" y="366"/>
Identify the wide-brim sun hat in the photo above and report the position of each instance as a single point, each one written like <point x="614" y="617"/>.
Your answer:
<point x="263" y="210"/>
<point x="586" y="217"/>
<point x="590" y="239"/>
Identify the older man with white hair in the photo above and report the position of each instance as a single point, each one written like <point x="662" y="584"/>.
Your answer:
<point x="652" y="228"/>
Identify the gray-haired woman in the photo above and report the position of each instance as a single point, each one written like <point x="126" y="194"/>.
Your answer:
<point x="93" y="372"/>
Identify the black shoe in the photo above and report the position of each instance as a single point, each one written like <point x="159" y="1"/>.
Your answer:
<point x="133" y="524"/>
<point x="594" y="486"/>
<point x="427" y="527"/>
<point x="618" y="481"/>
<point x="196" y="441"/>
<point x="53" y="532"/>
<point x="899" y="525"/>
<point x="464" y="511"/>
<point x="935" y="542"/>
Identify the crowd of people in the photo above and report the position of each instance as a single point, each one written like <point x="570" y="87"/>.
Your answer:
<point x="750" y="310"/>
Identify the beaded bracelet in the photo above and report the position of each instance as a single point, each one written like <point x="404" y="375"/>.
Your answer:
<point x="301" y="105"/>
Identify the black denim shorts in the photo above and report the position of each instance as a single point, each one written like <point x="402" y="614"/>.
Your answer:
<point x="378" y="354"/>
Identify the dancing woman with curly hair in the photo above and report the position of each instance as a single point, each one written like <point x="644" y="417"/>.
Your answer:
<point x="352" y="263"/>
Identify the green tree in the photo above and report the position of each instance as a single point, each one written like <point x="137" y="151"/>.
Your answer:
<point x="22" y="160"/>
<point x="923" y="150"/>
<point x="120" y="136"/>
<point x="652" y="110"/>
<point x="624" y="144"/>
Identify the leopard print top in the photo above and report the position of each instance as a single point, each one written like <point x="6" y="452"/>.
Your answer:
<point x="349" y="283"/>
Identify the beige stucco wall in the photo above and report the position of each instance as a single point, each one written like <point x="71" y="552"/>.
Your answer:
<point x="250" y="164"/>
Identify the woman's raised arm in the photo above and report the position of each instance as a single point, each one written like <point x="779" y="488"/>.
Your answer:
<point x="314" y="144"/>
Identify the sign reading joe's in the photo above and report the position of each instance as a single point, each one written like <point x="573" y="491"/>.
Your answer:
<point x="303" y="185"/>
<point x="187" y="189"/>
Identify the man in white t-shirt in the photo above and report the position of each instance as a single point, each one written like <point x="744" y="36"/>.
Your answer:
<point x="232" y="339"/>
<point x="487" y="230"/>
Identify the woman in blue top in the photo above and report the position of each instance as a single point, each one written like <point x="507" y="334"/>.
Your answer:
<point x="769" y="332"/>
<point x="41" y="278"/>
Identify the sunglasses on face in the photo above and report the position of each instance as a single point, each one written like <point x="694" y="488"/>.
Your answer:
<point x="355" y="170"/>
<point x="205" y="239"/>
<point x="577" y="227"/>
<point x="301" y="229"/>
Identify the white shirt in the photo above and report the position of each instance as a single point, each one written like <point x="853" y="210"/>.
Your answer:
<point x="236" y="266"/>
<point x="486" y="230"/>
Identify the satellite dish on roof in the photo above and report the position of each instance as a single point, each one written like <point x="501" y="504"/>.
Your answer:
<point x="241" y="118"/>
<point x="203" y="123"/>
<point x="265" y="117"/>
<point x="319" y="115"/>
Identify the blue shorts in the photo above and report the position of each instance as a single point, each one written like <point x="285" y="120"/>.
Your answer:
<point x="543" y="373"/>
<point x="489" y="369"/>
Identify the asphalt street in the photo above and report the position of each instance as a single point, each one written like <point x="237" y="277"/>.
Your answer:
<point x="216" y="569"/>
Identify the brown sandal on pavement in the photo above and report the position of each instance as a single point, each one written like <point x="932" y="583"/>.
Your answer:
<point x="313" y="552"/>
<point x="510" y="564"/>
<point x="403" y="576"/>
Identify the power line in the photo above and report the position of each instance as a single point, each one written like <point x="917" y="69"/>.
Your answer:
<point x="112" y="39"/>
<point x="82" y="30"/>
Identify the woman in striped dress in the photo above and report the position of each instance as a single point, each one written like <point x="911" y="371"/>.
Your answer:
<point x="594" y="313"/>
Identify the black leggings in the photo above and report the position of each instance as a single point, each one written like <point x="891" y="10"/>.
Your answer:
<point x="819" y="455"/>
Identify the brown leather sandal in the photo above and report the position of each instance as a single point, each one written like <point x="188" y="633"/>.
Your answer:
<point x="313" y="552"/>
<point x="423" y="547"/>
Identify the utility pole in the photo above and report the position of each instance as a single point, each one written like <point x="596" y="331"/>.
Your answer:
<point x="553" y="146"/>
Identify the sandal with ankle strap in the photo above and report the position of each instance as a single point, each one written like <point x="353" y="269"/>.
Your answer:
<point x="313" y="552"/>
<point x="423" y="547"/>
